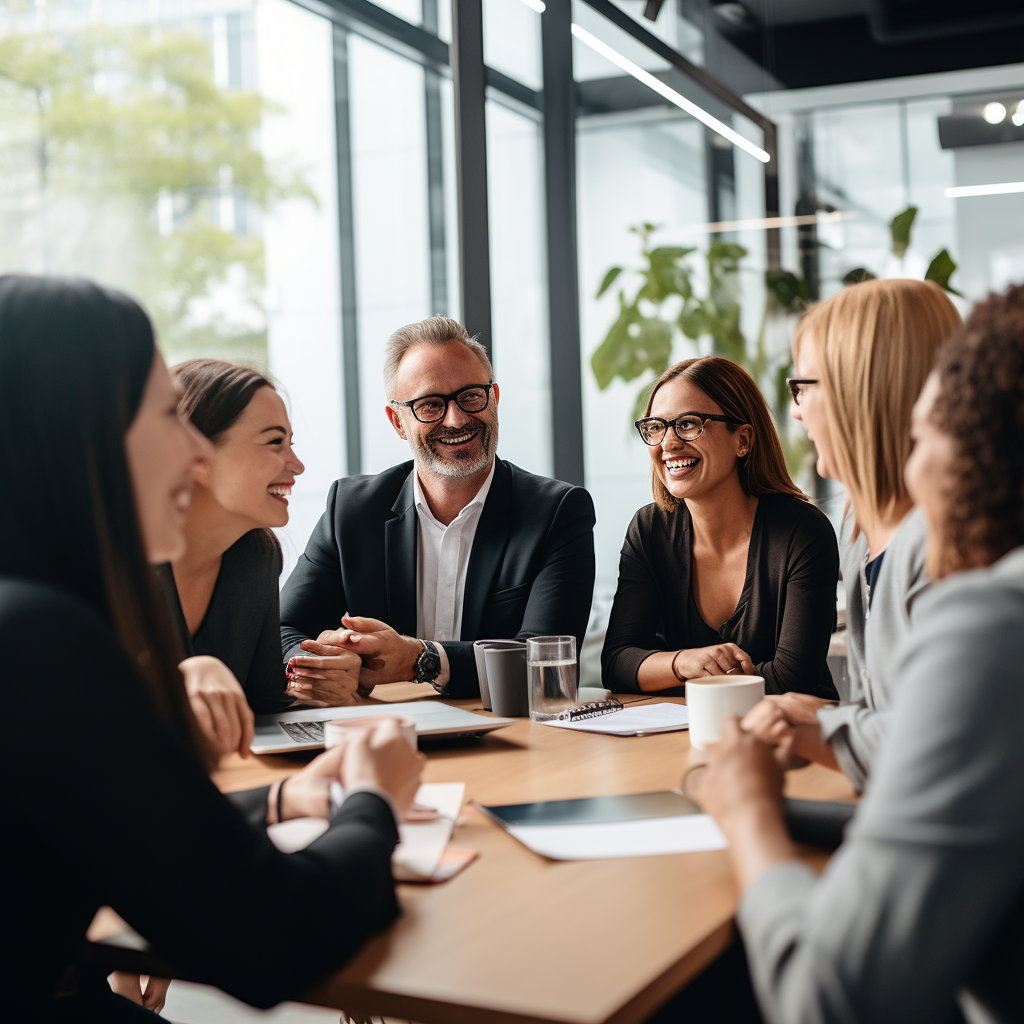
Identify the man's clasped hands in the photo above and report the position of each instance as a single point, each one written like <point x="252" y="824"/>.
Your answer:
<point x="345" y="664"/>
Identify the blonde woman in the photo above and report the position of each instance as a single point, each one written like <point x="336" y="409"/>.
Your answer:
<point x="861" y="359"/>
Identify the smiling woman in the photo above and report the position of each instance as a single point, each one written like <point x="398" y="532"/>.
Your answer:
<point x="731" y="569"/>
<point x="224" y="589"/>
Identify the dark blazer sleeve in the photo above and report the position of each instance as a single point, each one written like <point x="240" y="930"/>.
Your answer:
<point x="315" y="592"/>
<point x="635" y="620"/>
<point x="560" y="595"/>
<point x="251" y="804"/>
<point x="211" y="893"/>
<point x="265" y="684"/>
<point x="809" y="613"/>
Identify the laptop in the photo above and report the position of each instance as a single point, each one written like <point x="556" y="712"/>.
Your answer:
<point x="304" y="729"/>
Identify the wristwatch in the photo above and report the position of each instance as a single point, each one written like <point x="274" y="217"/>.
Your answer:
<point x="428" y="664"/>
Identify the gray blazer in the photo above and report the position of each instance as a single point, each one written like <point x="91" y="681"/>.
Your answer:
<point x="924" y="902"/>
<point x="873" y="633"/>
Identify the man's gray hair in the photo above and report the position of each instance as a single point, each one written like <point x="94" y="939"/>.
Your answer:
<point x="435" y="330"/>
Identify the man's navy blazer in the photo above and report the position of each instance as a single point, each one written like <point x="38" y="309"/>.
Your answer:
<point x="531" y="571"/>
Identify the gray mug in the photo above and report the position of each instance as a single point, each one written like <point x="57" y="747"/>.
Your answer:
<point x="479" y="646"/>
<point x="506" y="679"/>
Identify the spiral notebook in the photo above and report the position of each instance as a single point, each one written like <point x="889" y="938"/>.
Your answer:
<point x="639" y="720"/>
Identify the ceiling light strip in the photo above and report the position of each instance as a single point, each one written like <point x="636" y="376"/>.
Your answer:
<point x="670" y="94"/>
<point x="1002" y="188"/>
<point x="764" y="223"/>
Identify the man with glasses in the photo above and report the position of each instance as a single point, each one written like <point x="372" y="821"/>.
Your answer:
<point x="408" y="567"/>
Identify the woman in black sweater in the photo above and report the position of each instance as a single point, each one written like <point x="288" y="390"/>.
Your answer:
<point x="113" y="801"/>
<point x="731" y="569"/>
<point x="224" y="587"/>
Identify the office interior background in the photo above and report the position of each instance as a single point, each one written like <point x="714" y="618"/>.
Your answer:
<point x="285" y="182"/>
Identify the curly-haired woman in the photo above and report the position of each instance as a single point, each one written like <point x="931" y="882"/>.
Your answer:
<point x="731" y="568"/>
<point x="922" y="907"/>
<point x="861" y="360"/>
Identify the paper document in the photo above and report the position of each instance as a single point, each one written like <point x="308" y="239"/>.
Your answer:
<point x="644" y="837"/>
<point x="639" y="720"/>
<point x="421" y="847"/>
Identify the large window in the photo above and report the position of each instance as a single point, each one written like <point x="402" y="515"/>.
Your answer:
<point x="650" y="177"/>
<point x="279" y="183"/>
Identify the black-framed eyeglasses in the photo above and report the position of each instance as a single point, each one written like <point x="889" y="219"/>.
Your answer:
<point x="796" y="384"/>
<point x="433" y="408"/>
<point x="688" y="427"/>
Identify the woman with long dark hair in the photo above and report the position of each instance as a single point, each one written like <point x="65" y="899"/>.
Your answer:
<point x="224" y="587"/>
<point x="921" y="908"/>
<point x="731" y="569"/>
<point x="100" y="463"/>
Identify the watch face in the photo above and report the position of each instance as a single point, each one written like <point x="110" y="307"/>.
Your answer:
<point x="428" y="665"/>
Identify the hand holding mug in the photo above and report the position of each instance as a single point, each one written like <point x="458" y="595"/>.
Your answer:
<point x="382" y="758"/>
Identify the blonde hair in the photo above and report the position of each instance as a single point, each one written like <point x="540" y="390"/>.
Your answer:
<point x="763" y="469"/>
<point x="876" y="343"/>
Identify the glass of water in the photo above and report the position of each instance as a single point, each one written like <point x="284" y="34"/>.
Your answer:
<point x="551" y="675"/>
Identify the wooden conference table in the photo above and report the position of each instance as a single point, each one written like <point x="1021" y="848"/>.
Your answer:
<point x="515" y="937"/>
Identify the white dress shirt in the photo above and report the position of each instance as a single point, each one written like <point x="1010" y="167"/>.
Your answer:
<point x="442" y="562"/>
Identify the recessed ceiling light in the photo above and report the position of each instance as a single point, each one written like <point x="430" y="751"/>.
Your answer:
<point x="1018" y="114"/>
<point x="993" y="112"/>
<point x="999" y="188"/>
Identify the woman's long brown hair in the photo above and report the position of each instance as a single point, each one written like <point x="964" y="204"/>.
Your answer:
<point x="734" y="391"/>
<point x="74" y="361"/>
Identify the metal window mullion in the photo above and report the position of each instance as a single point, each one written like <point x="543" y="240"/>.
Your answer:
<point x="560" y="206"/>
<point x="466" y="57"/>
<point x="434" y="132"/>
<point x="347" y="257"/>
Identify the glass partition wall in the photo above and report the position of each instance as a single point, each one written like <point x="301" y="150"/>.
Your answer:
<point x="285" y="183"/>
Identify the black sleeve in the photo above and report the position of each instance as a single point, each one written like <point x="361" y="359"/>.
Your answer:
<point x="313" y="599"/>
<point x="265" y="684"/>
<point x="127" y="813"/>
<point x="808" y="617"/>
<point x="562" y="591"/>
<point x="252" y="805"/>
<point x="635" y="618"/>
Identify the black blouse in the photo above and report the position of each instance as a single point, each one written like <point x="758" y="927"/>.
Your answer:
<point x="113" y="808"/>
<point x="786" y="611"/>
<point x="242" y="626"/>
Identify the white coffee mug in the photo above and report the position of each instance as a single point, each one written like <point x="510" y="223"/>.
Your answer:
<point x="336" y="730"/>
<point x="711" y="698"/>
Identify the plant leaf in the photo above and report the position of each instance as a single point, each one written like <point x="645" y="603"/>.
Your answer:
<point x="788" y="290"/>
<point x="900" y="227"/>
<point x="857" y="275"/>
<point x="674" y="252"/>
<point x="940" y="270"/>
<point x="609" y="280"/>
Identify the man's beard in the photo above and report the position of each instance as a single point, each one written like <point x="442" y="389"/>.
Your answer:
<point x="433" y="456"/>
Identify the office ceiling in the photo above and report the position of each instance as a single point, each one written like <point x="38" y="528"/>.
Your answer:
<point x="824" y="42"/>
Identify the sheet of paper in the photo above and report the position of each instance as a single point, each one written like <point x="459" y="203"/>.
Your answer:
<point x="422" y="844"/>
<point x="634" y="721"/>
<point x="644" y="837"/>
<point x="421" y="847"/>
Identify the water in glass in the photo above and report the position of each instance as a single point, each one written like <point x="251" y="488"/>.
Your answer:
<point x="552" y="687"/>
